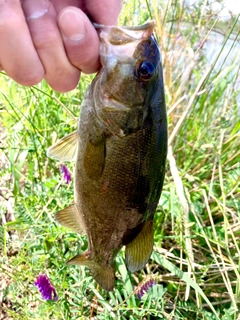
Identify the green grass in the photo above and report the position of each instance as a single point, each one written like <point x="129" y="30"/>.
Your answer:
<point x="196" y="258"/>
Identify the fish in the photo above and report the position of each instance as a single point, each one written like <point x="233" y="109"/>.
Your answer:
<point x="120" y="149"/>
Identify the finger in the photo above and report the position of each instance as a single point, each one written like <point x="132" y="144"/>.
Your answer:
<point x="80" y="39"/>
<point x="60" y="74"/>
<point x="18" y="56"/>
<point x="104" y="11"/>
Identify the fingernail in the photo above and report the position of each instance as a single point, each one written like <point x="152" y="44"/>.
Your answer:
<point x="72" y="25"/>
<point x="35" y="9"/>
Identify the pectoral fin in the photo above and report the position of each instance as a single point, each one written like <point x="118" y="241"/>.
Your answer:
<point x="104" y="275"/>
<point x="69" y="217"/>
<point x="94" y="159"/>
<point x="138" y="251"/>
<point x="65" y="149"/>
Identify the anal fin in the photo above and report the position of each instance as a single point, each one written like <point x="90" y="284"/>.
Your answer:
<point x="70" y="217"/>
<point x="138" y="251"/>
<point x="65" y="149"/>
<point x="103" y="274"/>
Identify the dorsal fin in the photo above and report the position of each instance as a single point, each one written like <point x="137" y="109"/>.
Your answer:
<point x="65" y="149"/>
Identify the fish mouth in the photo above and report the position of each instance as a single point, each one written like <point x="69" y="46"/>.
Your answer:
<point x="131" y="33"/>
<point x="121" y="35"/>
<point x="112" y="103"/>
<point x="119" y="43"/>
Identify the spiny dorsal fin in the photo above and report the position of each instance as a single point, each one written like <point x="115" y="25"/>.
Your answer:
<point x="103" y="274"/>
<point x="65" y="149"/>
<point x="70" y="217"/>
<point x="138" y="251"/>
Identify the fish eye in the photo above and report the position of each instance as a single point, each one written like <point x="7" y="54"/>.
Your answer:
<point x="145" y="70"/>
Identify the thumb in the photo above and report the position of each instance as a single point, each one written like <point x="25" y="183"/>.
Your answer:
<point x="80" y="39"/>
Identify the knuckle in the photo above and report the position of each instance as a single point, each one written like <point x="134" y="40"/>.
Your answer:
<point x="28" y="78"/>
<point x="88" y="62"/>
<point x="10" y="20"/>
<point x="90" y="65"/>
<point x="63" y="88"/>
<point x="63" y="82"/>
<point x="45" y="40"/>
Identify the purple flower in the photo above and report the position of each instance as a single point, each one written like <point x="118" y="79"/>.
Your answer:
<point x="66" y="173"/>
<point x="178" y="36"/>
<point x="142" y="288"/>
<point x="46" y="288"/>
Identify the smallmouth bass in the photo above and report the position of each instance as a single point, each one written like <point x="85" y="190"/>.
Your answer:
<point x="120" y="149"/>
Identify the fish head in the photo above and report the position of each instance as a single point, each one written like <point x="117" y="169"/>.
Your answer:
<point x="131" y="61"/>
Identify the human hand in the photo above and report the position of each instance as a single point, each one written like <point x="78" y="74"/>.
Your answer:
<point x="54" y="39"/>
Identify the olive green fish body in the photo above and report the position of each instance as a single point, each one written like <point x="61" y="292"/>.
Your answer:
<point x="122" y="147"/>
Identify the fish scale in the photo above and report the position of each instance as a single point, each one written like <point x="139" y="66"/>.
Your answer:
<point x="120" y="149"/>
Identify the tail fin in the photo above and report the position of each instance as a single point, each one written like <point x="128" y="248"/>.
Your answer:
<point x="103" y="274"/>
